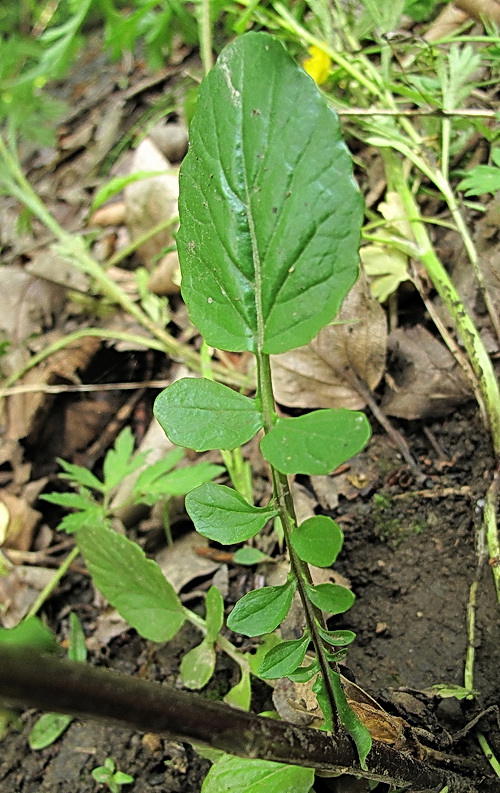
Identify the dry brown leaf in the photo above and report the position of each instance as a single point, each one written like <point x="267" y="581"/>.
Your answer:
<point x="428" y="381"/>
<point x="22" y="522"/>
<point x="28" y="306"/>
<point x="166" y="279"/>
<point x="151" y="201"/>
<point x="23" y="410"/>
<point x="180" y="564"/>
<point x="18" y="591"/>
<point x="314" y="376"/>
<point x="109" y="215"/>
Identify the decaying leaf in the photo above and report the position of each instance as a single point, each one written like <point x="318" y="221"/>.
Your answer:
<point x="316" y="375"/>
<point x="427" y="379"/>
<point x="180" y="564"/>
<point x="386" y="267"/>
<point x="151" y="201"/>
<point x="22" y="520"/>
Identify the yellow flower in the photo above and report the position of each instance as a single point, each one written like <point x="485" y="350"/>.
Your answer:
<point x="318" y="65"/>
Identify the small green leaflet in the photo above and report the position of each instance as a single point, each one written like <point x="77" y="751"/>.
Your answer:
<point x="78" y="475"/>
<point x="48" y="729"/>
<point x="201" y="414"/>
<point x="250" y="556"/>
<point x="240" y="695"/>
<point x="262" y="610"/>
<point x="133" y="584"/>
<point x="304" y="673"/>
<point x="483" y="178"/>
<point x="316" y="443"/>
<point x="118" y="462"/>
<point x="221" y="514"/>
<point x="197" y="666"/>
<point x="214" y="618"/>
<point x="318" y="540"/>
<point x="337" y="638"/>
<point x="332" y="598"/>
<point x="284" y="658"/>
<point x="239" y="775"/>
<point x="270" y="220"/>
<point x="181" y="481"/>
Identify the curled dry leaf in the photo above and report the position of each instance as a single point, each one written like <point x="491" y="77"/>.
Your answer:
<point x="20" y="521"/>
<point x="166" y="279"/>
<point x="317" y="375"/>
<point x="427" y="379"/>
<point x="151" y="201"/>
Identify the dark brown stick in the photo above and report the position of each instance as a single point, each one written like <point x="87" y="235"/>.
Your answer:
<point x="48" y="683"/>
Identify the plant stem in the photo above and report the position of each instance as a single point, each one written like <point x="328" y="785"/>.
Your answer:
<point x="205" y="28"/>
<point x="288" y="518"/>
<point x="49" y="588"/>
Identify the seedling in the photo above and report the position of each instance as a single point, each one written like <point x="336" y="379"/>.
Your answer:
<point x="270" y="226"/>
<point x="107" y="775"/>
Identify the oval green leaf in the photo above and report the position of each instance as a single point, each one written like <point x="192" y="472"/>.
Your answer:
<point x="48" y="729"/>
<point x="270" y="214"/>
<point x="221" y="514"/>
<point x="284" y="659"/>
<point x="261" y="610"/>
<point x="316" y="443"/>
<point x="249" y="556"/>
<point x="197" y="666"/>
<point x="318" y="540"/>
<point x="240" y="775"/>
<point x="332" y="598"/>
<point x="202" y="415"/>
<point x="133" y="584"/>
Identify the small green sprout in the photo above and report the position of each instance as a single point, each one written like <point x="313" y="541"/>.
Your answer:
<point x="107" y="775"/>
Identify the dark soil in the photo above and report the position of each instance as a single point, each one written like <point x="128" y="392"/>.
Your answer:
<point x="410" y="555"/>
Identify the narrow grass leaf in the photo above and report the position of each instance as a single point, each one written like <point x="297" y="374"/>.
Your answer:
<point x="316" y="443"/>
<point x="270" y="220"/>
<point x="318" y="540"/>
<point x="201" y="414"/>
<point x="262" y="610"/>
<point x="284" y="658"/>
<point x="240" y="775"/>
<point x="221" y="514"/>
<point x="332" y="598"/>
<point x="133" y="584"/>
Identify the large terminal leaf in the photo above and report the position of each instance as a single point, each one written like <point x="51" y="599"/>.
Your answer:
<point x="270" y="214"/>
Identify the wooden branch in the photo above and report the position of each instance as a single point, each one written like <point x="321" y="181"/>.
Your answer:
<point x="48" y="683"/>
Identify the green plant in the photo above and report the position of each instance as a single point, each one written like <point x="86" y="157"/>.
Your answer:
<point x="284" y="216"/>
<point x="107" y="775"/>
